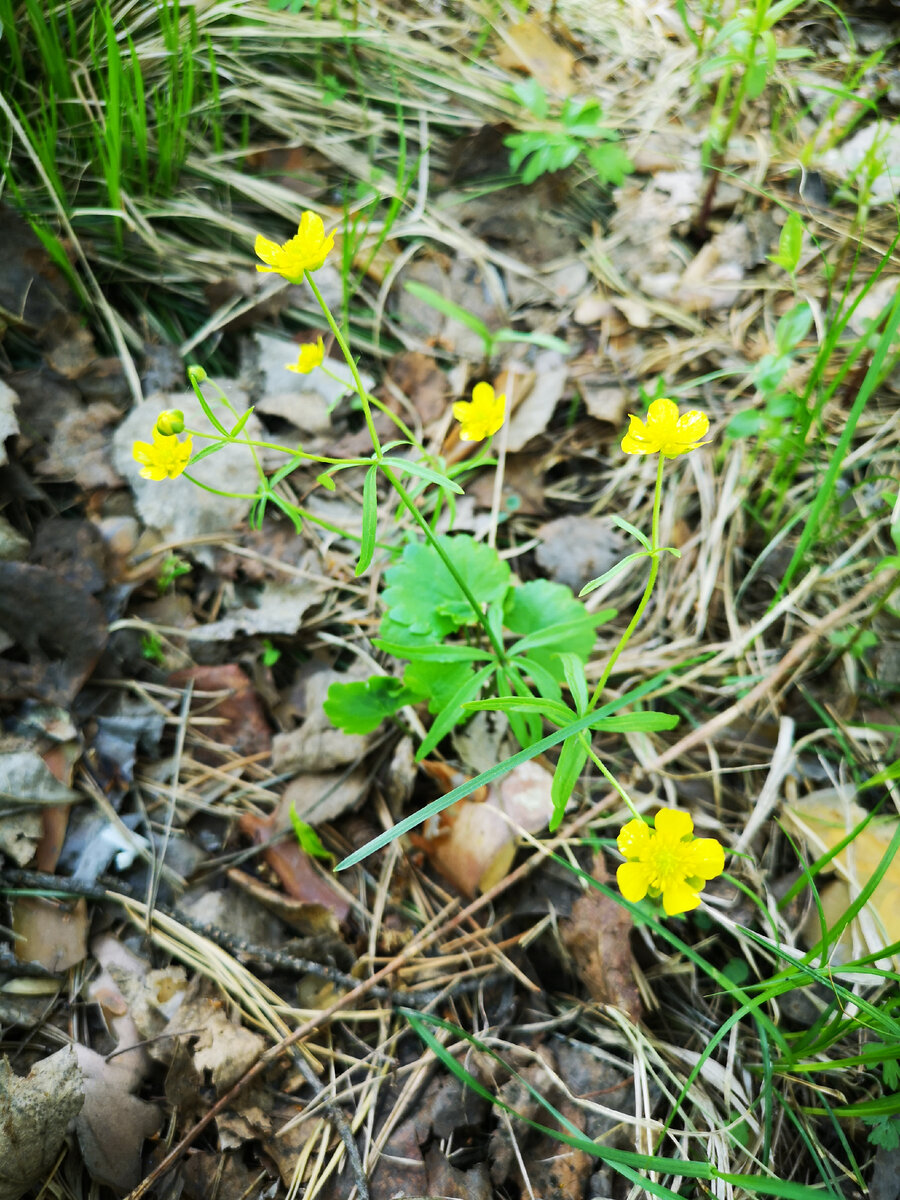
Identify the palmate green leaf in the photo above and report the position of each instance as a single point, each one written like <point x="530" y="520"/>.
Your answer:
<point x="438" y="681"/>
<point x="610" y="162"/>
<point x="422" y="594"/>
<point x="453" y="711"/>
<point x="361" y="705"/>
<point x="539" y="606"/>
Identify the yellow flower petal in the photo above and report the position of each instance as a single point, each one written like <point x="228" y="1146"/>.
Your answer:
<point x="678" y="897"/>
<point x="673" y="825"/>
<point x="705" y="858"/>
<point x="662" y="413"/>
<point x="633" y="839"/>
<point x="309" y="357"/>
<point x="266" y="250"/>
<point x="165" y="458"/>
<point x="665" y="432"/>
<point x="481" y="416"/>
<point x="305" y="251"/>
<point x="633" y="880"/>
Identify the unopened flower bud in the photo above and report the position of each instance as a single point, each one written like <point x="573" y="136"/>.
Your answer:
<point x="170" y="421"/>
<point x="196" y="374"/>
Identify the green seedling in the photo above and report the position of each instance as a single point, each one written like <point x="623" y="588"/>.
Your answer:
<point x="577" y="129"/>
<point x="774" y="420"/>
<point x="172" y="568"/>
<point x="429" y="623"/>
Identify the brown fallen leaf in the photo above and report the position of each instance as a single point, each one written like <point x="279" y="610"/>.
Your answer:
<point x="473" y="842"/>
<point x="79" y="448"/>
<point x="598" y="936"/>
<point x="576" y="549"/>
<point x="822" y="820"/>
<point x="61" y="628"/>
<point x="53" y="933"/>
<point x="113" y="1125"/>
<point x="35" y="1112"/>
<point x="292" y="865"/>
<point x="308" y="918"/>
<point x="528" y="47"/>
<point x="220" y="1048"/>
<point x="241" y="722"/>
<point x="423" y="383"/>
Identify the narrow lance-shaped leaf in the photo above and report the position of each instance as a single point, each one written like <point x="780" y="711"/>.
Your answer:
<point x="369" y="520"/>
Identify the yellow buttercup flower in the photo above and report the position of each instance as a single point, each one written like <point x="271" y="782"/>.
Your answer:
<point x="481" y="416"/>
<point x="310" y="357"/>
<point x="667" y="861"/>
<point x="169" y="421"/>
<point x="306" y="251"/>
<point x="665" y="432"/>
<point x="165" y="457"/>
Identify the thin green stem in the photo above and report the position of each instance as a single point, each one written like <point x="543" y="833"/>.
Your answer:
<point x="648" y="590"/>
<point x="611" y="779"/>
<point x="382" y="407"/>
<point x="218" y="492"/>
<point x="345" y="350"/>
<point x="319" y="458"/>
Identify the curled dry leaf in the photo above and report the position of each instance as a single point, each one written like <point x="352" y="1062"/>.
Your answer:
<point x="473" y="842"/>
<point x="34" y="1117"/>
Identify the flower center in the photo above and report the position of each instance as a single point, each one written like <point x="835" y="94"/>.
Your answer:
<point x="667" y="864"/>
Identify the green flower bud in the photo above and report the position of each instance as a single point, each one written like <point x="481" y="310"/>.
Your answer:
<point x="170" y="421"/>
<point x="196" y="374"/>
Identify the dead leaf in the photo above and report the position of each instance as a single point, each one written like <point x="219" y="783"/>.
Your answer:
<point x="221" y="1049"/>
<point x="472" y="843"/>
<point x="306" y="917"/>
<point x="61" y="628"/>
<point x="423" y="383"/>
<point x="34" y="1117"/>
<point x="317" y="746"/>
<point x="532" y="416"/>
<point x="528" y="47"/>
<point x="319" y="798"/>
<point x="292" y="865"/>
<point x="79" y="448"/>
<point x="575" y="550"/>
<point x="53" y="933"/>
<point x="598" y="936"/>
<point x="20" y="834"/>
<point x="243" y="727"/>
<point x="27" y="782"/>
<point x="823" y="819"/>
<point x="113" y="1125"/>
<point x="277" y="607"/>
